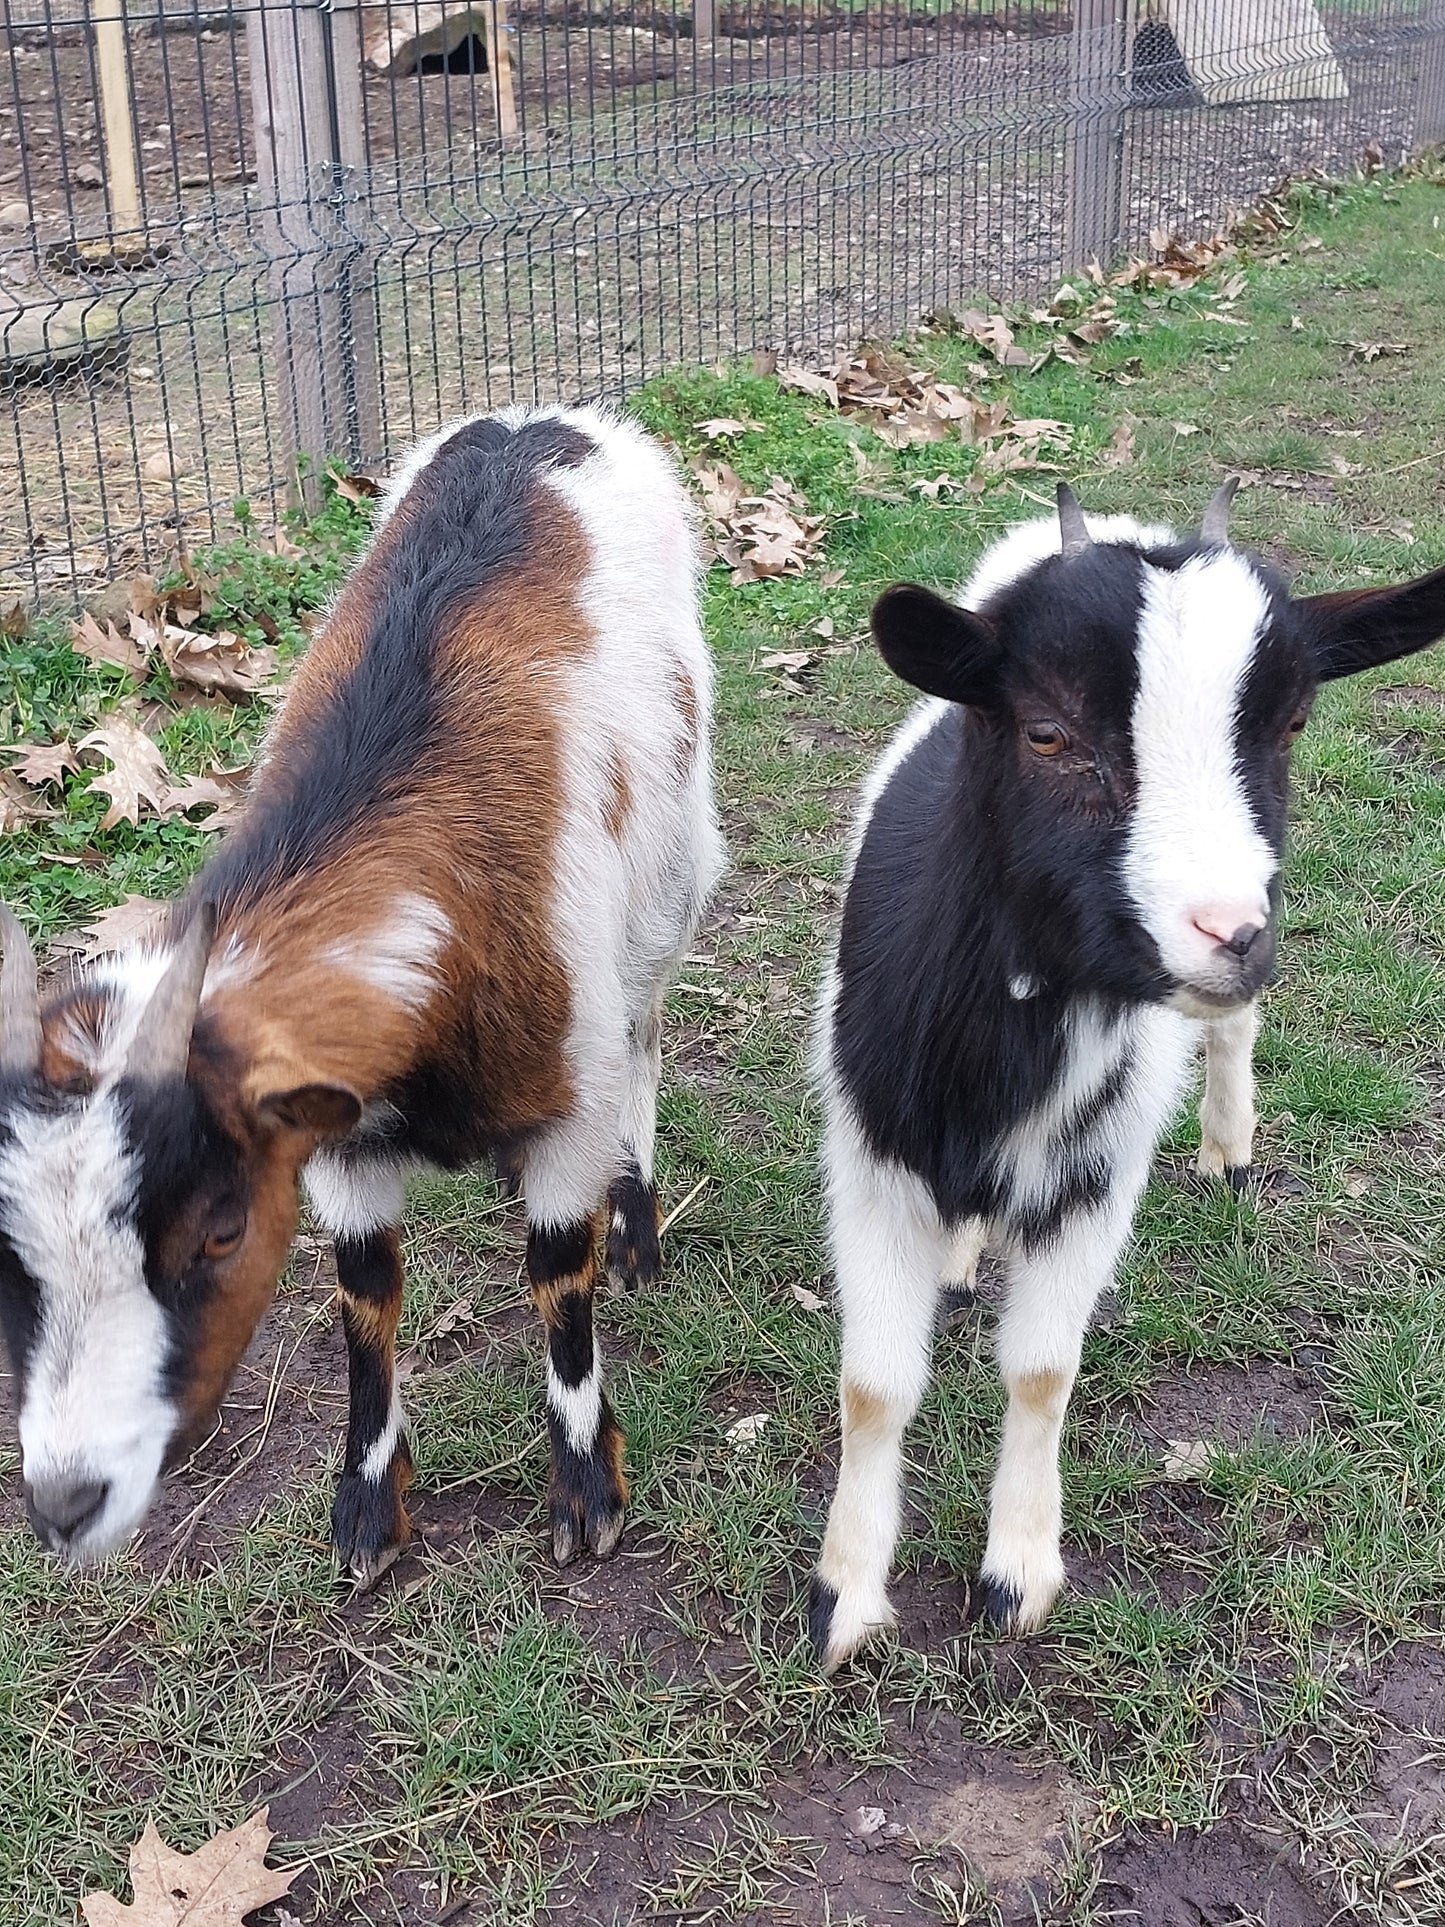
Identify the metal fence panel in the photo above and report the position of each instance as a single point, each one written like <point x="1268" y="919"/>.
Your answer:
<point x="235" y="234"/>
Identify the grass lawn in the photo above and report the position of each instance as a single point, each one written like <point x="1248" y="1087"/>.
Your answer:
<point x="1228" y="1716"/>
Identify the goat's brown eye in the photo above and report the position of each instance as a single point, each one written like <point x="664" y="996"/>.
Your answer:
<point x="1046" y="739"/>
<point x="224" y="1240"/>
<point x="1295" y="726"/>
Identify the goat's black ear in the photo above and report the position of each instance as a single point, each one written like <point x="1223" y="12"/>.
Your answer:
<point x="1356" y="629"/>
<point x="935" y="645"/>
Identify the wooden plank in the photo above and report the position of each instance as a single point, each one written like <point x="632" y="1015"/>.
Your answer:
<point x="365" y="440"/>
<point x="499" y="64"/>
<point x="1098" y="101"/>
<point x="704" y="21"/>
<point x="117" y="111"/>
<point x="291" y="113"/>
<point x="1239" y="50"/>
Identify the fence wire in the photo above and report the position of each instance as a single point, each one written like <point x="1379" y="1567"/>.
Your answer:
<point x="237" y="240"/>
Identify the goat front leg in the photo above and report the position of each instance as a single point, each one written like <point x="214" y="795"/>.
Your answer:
<point x="1226" y="1110"/>
<point x="368" y="1519"/>
<point x="634" y="1246"/>
<point x="888" y="1250"/>
<point x="1053" y="1287"/>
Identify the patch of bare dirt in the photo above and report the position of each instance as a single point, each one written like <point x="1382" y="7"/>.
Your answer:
<point x="850" y="1844"/>
<point x="1410" y="695"/>
<point x="1215" y="1879"/>
<point x="1409" y="1696"/>
<point x="1230" y="1404"/>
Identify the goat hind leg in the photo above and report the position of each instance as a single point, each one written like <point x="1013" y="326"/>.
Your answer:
<point x="1226" y="1110"/>
<point x="634" y="1249"/>
<point x="368" y="1518"/>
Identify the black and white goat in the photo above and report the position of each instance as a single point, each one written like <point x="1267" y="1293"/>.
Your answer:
<point x="1066" y="868"/>
<point x="480" y="837"/>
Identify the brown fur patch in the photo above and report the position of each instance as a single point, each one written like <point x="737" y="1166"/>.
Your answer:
<point x="372" y="1322"/>
<point x="550" y="1294"/>
<point x="864" y="1412"/>
<point x="1044" y="1393"/>
<point x="617" y="803"/>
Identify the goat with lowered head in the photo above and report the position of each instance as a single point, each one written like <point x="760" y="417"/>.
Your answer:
<point x="1065" y="873"/>
<point x="481" y="834"/>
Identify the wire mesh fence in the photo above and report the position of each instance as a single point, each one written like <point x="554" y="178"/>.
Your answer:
<point x="236" y="240"/>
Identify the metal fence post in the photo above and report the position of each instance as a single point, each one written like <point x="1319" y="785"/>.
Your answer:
<point x="359" y="339"/>
<point x="1430" y="83"/>
<point x="292" y="106"/>
<point x="1098" y="97"/>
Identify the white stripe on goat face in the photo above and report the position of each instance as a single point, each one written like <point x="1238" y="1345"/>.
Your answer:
<point x="94" y="1409"/>
<point x="1194" y="847"/>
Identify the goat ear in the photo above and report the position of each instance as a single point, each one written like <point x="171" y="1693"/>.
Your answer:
<point x="936" y="646"/>
<point x="323" y="1110"/>
<point x="1357" y="629"/>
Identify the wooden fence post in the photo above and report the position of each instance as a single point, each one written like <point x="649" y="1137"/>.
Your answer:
<point x="1430" y="83"/>
<point x="499" y="65"/>
<point x="1098" y="100"/>
<point x="122" y="174"/>
<point x="292" y="112"/>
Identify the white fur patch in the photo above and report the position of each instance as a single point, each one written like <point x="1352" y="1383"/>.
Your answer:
<point x="1192" y="838"/>
<point x="382" y="1449"/>
<point x="578" y="1408"/>
<point x="1027" y="543"/>
<point x="94" y="1408"/>
<point x="352" y="1196"/>
<point x="400" y="956"/>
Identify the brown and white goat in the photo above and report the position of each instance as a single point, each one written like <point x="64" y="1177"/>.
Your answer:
<point x="480" y="838"/>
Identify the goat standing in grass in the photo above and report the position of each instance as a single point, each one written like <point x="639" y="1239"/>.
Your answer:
<point x="480" y="837"/>
<point x="1066" y="869"/>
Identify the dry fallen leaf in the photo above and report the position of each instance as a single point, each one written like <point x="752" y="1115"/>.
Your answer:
<point x="18" y="806"/>
<point x="137" y="775"/>
<point x="88" y="639"/>
<point x="805" y="381"/>
<point x="1375" y="350"/>
<point x="222" y="790"/>
<point x="356" y="488"/>
<point x="809" y="1300"/>
<point x="132" y="920"/>
<point x="1120" y="451"/>
<point x="1187" y="1459"/>
<point x="743" y="1434"/>
<point x="39" y="763"/>
<point x="216" y="1886"/>
<point x="722" y="428"/>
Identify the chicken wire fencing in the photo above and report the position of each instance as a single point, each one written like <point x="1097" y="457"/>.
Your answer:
<point x="237" y="239"/>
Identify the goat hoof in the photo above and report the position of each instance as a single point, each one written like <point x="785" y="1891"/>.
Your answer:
<point x="369" y="1527"/>
<point x="995" y="1602"/>
<point x="840" y="1626"/>
<point x="577" y="1527"/>
<point x="634" y="1247"/>
<point x="1021" y="1604"/>
<point x="1240" y="1178"/>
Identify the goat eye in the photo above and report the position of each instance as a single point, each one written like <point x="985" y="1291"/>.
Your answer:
<point x="1295" y="726"/>
<point x="1046" y="739"/>
<point x="223" y="1241"/>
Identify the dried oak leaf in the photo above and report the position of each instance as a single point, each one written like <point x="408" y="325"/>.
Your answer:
<point x="805" y="381"/>
<point x="17" y="806"/>
<point x="221" y="664"/>
<point x="88" y="639"/>
<point x="1120" y="451"/>
<point x="137" y="775"/>
<point x="222" y="790"/>
<point x="217" y="1886"/>
<point x="723" y="428"/>
<point x="38" y="763"/>
<point x="132" y="920"/>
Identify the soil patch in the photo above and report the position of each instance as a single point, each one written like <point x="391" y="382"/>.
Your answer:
<point x="1409" y="1696"/>
<point x="848" y="1844"/>
<point x="1410" y="695"/>
<point x="1214" y="1879"/>
<point x="1230" y="1404"/>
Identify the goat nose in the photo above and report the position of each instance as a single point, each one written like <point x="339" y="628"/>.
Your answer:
<point x="59" y="1513"/>
<point x="1233" y="926"/>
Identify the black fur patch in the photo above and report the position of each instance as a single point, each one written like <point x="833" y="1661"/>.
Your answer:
<point x="368" y="1516"/>
<point x="469" y="520"/>
<point x="634" y="1250"/>
<point x="569" y="1341"/>
<point x="822" y="1604"/>
<point x="370" y="1385"/>
<point x="559" y="1251"/>
<point x="1240" y="1178"/>
<point x="990" y="1599"/>
<point x="367" y="1267"/>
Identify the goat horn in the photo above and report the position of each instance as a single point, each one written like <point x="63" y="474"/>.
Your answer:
<point x="1073" y="529"/>
<point x="1215" y="526"/>
<point x="162" y="1042"/>
<point x="19" y="998"/>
